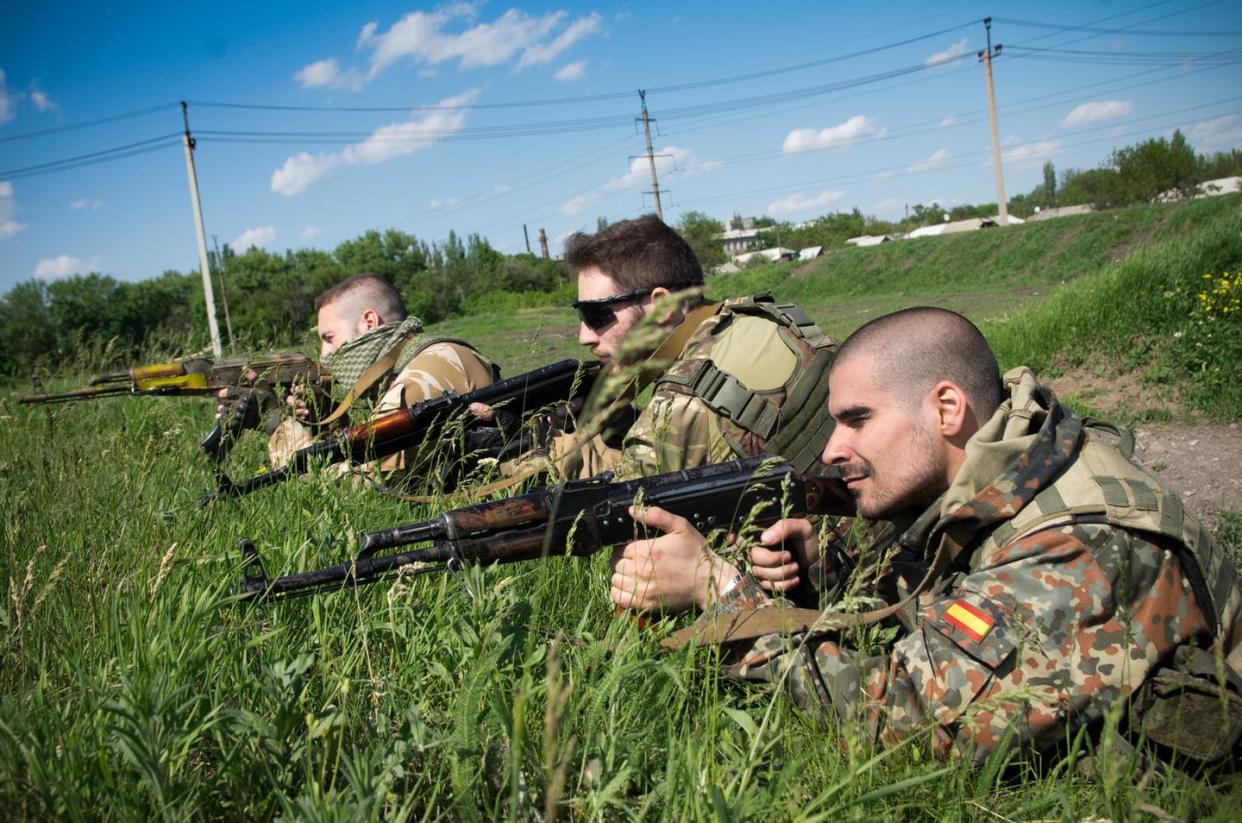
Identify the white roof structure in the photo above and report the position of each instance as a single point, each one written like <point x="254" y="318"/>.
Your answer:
<point x="1222" y="185"/>
<point x="869" y="240"/>
<point x="1062" y="211"/>
<point x="810" y="252"/>
<point x="778" y="253"/>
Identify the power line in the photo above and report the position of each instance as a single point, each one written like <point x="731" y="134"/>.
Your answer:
<point x="116" y="152"/>
<point x="1062" y="27"/>
<point x="88" y="123"/>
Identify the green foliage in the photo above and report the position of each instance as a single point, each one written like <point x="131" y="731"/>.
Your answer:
<point x="1150" y="311"/>
<point x="131" y="686"/>
<point x="702" y="232"/>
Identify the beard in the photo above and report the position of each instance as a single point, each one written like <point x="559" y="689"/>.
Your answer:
<point x="904" y="487"/>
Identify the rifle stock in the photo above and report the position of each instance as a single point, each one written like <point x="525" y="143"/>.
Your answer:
<point x="578" y="518"/>
<point x="401" y="429"/>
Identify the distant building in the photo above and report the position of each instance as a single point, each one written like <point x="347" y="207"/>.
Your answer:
<point x="774" y="255"/>
<point x="1222" y="185"/>
<point x="870" y="240"/>
<point x="810" y="252"/>
<point x="738" y="241"/>
<point x="1062" y="211"/>
<point x="959" y="226"/>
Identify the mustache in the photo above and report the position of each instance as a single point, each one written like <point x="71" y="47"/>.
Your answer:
<point x="856" y="469"/>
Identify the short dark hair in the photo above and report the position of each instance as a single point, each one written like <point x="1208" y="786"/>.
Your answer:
<point x="643" y="253"/>
<point x="916" y="348"/>
<point x="365" y="291"/>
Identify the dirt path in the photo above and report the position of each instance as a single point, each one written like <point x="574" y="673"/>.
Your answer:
<point x="1204" y="463"/>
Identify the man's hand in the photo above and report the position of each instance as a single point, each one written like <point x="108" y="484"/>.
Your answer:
<point x="785" y="548"/>
<point x="671" y="573"/>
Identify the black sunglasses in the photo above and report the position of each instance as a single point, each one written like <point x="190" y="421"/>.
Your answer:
<point x="600" y="314"/>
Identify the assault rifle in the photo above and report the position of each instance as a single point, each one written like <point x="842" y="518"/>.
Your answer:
<point x="200" y="376"/>
<point x="395" y="431"/>
<point x="577" y="518"/>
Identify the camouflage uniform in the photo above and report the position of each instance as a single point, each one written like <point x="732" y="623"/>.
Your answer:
<point x="435" y="368"/>
<point x="1078" y="578"/>
<point x="728" y="393"/>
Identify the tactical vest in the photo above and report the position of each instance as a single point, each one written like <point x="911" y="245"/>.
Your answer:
<point x="1180" y="705"/>
<point x="791" y="420"/>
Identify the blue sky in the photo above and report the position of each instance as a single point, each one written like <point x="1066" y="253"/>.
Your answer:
<point x="496" y="115"/>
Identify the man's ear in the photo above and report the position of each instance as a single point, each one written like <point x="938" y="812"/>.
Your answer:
<point x="370" y="320"/>
<point x="658" y="293"/>
<point x="950" y="408"/>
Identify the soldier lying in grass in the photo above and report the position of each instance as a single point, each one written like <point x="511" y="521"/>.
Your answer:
<point x="1040" y="580"/>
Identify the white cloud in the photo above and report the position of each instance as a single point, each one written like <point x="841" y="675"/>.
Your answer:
<point x="54" y="268"/>
<point x="8" y="102"/>
<point x="1217" y="133"/>
<point x="1096" y="111"/>
<point x="1028" y="150"/>
<point x="571" y="71"/>
<point x="883" y="177"/>
<point x="939" y="159"/>
<point x="8" y="207"/>
<point x="366" y="34"/>
<point x="40" y="99"/>
<point x="949" y="120"/>
<point x="260" y="236"/>
<point x="498" y="189"/>
<point x="327" y="74"/>
<point x="580" y="202"/>
<point x="421" y="131"/>
<point x="311" y="232"/>
<point x="547" y="52"/>
<point x="841" y="135"/>
<point x="889" y="206"/>
<point x="85" y="202"/>
<point x="444" y="202"/>
<point x="801" y="202"/>
<point x="421" y="37"/>
<point x="671" y="162"/>
<point x="956" y="50"/>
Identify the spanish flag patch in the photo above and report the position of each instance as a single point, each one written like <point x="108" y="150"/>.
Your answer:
<point x="974" y="623"/>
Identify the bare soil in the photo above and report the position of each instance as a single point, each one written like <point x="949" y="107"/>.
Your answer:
<point x="1204" y="463"/>
<point x="1200" y="460"/>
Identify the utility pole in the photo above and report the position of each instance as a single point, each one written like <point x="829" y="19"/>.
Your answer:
<point x="212" y="326"/>
<point x="543" y="243"/>
<point x="651" y="156"/>
<point x="224" y="297"/>
<point x="526" y="234"/>
<point x="986" y="56"/>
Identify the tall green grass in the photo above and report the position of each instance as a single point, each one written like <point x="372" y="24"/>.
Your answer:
<point x="132" y="687"/>
<point x="1143" y="314"/>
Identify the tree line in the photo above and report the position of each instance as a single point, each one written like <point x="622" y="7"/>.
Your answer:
<point x="1134" y="174"/>
<point x="96" y="320"/>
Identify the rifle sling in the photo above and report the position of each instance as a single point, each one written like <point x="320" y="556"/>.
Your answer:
<point x="365" y="381"/>
<point x="754" y="623"/>
<point x="652" y="368"/>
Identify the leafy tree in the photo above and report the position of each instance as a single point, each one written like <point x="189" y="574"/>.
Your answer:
<point x="701" y="232"/>
<point x="27" y="333"/>
<point x="1156" y="166"/>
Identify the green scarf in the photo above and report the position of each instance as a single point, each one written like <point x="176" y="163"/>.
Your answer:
<point x="349" y="361"/>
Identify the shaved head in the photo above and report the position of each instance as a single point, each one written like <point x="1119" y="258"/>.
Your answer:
<point x="912" y="350"/>
<point x="354" y="295"/>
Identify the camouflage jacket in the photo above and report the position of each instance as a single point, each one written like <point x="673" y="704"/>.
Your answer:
<point x="1066" y="595"/>
<point x="440" y="367"/>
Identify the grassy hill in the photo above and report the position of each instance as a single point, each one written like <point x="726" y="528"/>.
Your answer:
<point x="1105" y="291"/>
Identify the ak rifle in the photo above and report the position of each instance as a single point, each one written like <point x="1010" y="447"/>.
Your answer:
<point x="576" y="518"/>
<point x="393" y="432"/>
<point x="198" y="377"/>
